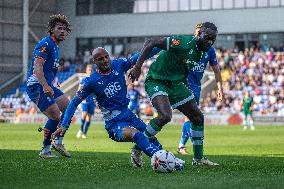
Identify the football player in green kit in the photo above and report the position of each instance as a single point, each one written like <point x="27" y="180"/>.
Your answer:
<point x="247" y="106"/>
<point x="166" y="82"/>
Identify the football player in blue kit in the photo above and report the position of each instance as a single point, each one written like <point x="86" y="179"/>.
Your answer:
<point x="88" y="106"/>
<point x="107" y="83"/>
<point x="134" y="96"/>
<point x="194" y="81"/>
<point x="50" y="100"/>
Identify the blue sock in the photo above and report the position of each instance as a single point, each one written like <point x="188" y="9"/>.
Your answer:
<point x="49" y="128"/>
<point x="143" y="143"/>
<point x="185" y="134"/>
<point x="82" y="125"/>
<point x="155" y="141"/>
<point x="87" y="125"/>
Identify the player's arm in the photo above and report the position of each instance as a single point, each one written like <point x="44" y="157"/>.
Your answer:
<point x="218" y="78"/>
<point x="38" y="71"/>
<point x="147" y="48"/>
<point x="130" y="62"/>
<point x="84" y="91"/>
<point x="40" y="57"/>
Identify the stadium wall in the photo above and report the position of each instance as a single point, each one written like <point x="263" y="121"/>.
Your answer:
<point x="157" y="24"/>
<point x="178" y="119"/>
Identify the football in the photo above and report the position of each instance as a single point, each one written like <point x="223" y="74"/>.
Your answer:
<point x="163" y="161"/>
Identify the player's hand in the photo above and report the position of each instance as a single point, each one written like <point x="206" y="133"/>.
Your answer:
<point x="220" y="94"/>
<point x="59" y="132"/>
<point x="48" y="91"/>
<point x="134" y="73"/>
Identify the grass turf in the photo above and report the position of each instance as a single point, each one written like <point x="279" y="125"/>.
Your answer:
<point x="249" y="159"/>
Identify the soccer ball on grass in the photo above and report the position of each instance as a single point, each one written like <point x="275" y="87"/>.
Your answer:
<point x="163" y="161"/>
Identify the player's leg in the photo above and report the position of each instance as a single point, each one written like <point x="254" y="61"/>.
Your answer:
<point x="157" y="91"/>
<point x="62" y="101"/>
<point x="184" y="101"/>
<point x="53" y="113"/>
<point x="245" y="120"/>
<point x="250" y="120"/>
<point x="82" y="122"/>
<point x="91" y="111"/>
<point x="191" y="110"/>
<point x="185" y="135"/>
<point x="187" y="124"/>
<point x="48" y="107"/>
<point x="88" y="123"/>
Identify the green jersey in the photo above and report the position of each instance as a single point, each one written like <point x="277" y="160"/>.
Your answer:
<point x="174" y="63"/>
<point x="247" y="103"/>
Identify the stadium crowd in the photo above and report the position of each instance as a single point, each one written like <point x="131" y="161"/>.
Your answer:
<point x="256" y="70"/>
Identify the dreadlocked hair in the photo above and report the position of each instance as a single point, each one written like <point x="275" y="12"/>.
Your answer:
<point x="209" y="25"/>
<point x="58" y="18"/>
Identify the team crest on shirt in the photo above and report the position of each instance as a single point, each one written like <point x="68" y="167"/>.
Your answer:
<point x="175" y="42"/>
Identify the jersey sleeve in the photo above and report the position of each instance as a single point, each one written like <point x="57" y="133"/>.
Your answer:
<point x="41" y="50"/>
<point x="130" y="62"/>
<point x="178" y="43"/>
<point x="212" y="59"/>
<point x="85" y="89"/>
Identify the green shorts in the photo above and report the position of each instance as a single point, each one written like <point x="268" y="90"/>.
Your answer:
<point x="246" y="113"/>
<point x="176" y="91"/>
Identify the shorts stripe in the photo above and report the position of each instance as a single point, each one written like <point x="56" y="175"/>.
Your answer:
<point x="197" y="142"/>
<point x="183" y="101"/>
<point x="160" y="93"/>
<point x="197" y="133"/>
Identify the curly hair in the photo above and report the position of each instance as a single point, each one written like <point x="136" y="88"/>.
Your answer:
<point x="58" y="18"/>
<point x="198" y="26"/>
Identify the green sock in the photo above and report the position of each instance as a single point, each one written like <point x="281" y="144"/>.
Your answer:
<point x="197" y="134"/>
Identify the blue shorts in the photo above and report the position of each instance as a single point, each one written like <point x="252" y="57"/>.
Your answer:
<point x="125" y="119"/>
<point x="89" y="108"/>
<point x="196" y="92"/>
<point x="37" y="95"/>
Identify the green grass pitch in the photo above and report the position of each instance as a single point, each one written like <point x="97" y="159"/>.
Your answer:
<point x="249" y="159"/>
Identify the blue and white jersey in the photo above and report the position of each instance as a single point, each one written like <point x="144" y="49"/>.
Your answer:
<point x="90" y="98"/>
<point x="196" y="73"/>
<point x="133" y="95"/>
<point x="47" y="50"/>
<point x="110" y="89"/>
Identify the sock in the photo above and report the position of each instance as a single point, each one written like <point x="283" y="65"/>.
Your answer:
<point x="197" y="134"/>
<point x="59" y="140"/>
<point x="152" y="129"/>
<point x="143" y="143"/>
<point x="155" y="141"/>
<point x="87" y="125"/>
<point x="82" y="125"/>
<point x="185" y="134"/>
<point x="152" y="140"/>
<point x="46" y="149"/>
<point x="49" y="128"/>
<point x="250" y="122"/>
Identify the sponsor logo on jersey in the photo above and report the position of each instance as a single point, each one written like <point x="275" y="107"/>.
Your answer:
<point x="198" y="68"/>
<point x="56" y="63"/>
<point x="111" y="89"/>
<point x="175" y="42"/>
